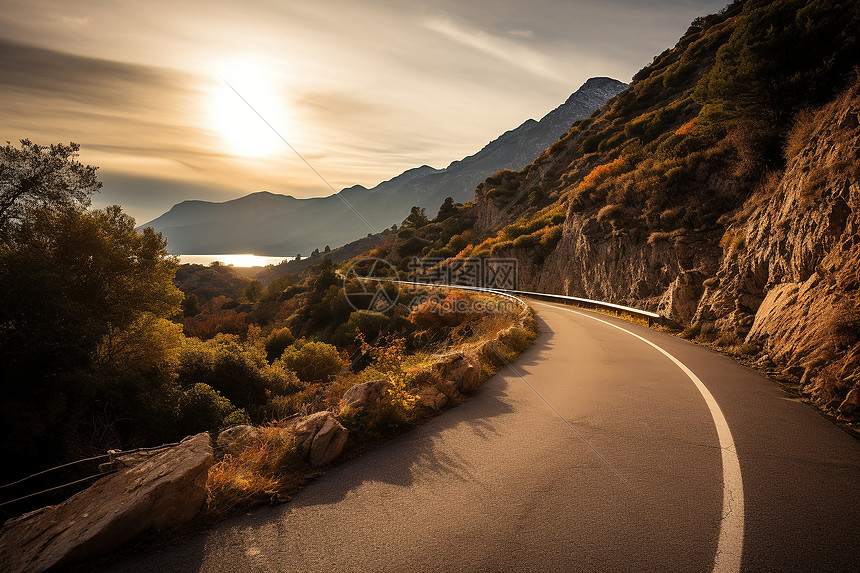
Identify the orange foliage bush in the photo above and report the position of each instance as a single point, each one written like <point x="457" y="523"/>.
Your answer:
<point x="601" y="172"/>
<point x="206" y="326"/>
<point x="686" y="128"/>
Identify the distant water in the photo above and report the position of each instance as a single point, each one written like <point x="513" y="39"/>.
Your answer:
<point x="236" y="259"/>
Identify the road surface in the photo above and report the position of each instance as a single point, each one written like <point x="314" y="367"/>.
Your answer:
<point x="594" y="451"/>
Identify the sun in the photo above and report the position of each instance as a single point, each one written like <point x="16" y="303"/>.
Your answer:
<point x="246" y="109"/>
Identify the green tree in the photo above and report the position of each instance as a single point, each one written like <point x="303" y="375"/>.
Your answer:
<point x="84" y="294"/>
<point x="69" y="278"/>
<point x="191" y="305"/>
<point x="37" y="176"/>
<point x="253" y="291"/>
<point x="447" y="209"/>
<point x="416" y="219"/>
<point x="278" y="341"/>
<point x="312" y="361"/>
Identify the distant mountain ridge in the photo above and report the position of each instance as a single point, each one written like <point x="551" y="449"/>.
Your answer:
<point x="266" y="223"/>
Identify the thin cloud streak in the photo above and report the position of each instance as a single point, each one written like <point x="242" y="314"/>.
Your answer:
<point x="498" y="47"/>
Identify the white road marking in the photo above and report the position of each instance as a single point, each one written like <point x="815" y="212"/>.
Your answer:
<point x="731" y="539"/>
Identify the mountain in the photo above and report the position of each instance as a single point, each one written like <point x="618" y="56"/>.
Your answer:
<point x="270" y="224"/>
<point x="721" y="189"/>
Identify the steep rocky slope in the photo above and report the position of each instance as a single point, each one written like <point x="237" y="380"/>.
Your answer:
<point x="720" y="189"/>
<point x="790" y="272"/>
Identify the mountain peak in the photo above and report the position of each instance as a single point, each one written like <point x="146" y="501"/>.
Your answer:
<point x="271" y="223"/>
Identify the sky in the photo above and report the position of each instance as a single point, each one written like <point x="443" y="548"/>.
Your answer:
<point x="213" y="100"/>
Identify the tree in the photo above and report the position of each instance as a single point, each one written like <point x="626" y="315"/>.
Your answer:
<point x="417" y="218"/>
<point x="253" y="291"/>
<point x="36" y="176"/>
<point x="71" y="276"/>
<point x="85" y="311"/>
<point x="191" y="305"/>
<point x="447" y="209"/>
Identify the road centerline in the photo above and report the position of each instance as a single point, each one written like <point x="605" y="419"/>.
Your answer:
<point x="730" y="541"/>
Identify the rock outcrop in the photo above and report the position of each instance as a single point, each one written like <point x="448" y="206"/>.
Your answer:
<point x="320" y="438"/>
<point x="160" y="489"/>
<point x="791" y="283"/>
<point x="236" y="439"/>
<point x="782" y="272"/>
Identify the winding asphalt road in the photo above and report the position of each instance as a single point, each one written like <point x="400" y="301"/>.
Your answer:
<point x="594" y="451"/>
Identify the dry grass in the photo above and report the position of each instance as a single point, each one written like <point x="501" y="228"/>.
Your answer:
<point x="264" y="472"/>
<point x="269" y="469"/>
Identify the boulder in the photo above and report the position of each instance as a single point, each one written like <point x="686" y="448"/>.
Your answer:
<point x="432" y="398"/>
<point x="165" y="488"/>
<point x="465" y="377"/>
<point x="460" y="369"/>
<point x="365" y="398"/>
<point x="320" y="438"/>
<point x="237" y="439"/>
<point x="850" y="405"/>
<point x="328" y="442"/>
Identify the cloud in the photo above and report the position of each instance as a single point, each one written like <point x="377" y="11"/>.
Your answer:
<point x="499" y="47"/>
<point x="528" y="34"/>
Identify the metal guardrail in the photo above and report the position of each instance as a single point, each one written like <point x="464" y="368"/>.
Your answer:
<point x="651" y="318"/>
<point x="464" y="287"/>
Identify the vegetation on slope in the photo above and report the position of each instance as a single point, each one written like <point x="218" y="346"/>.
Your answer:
<point x="100" y="350"/>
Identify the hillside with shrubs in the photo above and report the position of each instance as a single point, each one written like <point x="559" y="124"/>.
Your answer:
<point x="108" y="344"/>
<point x="720" y="189"/>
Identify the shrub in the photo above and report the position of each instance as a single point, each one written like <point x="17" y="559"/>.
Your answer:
<point x="312" y="361"/>
<point x="266" y="471"/>
<point x="525" y="241"/>
<point x="611" y="213"/>
<point x="551" y="237"/>
<point x="202" y="408"/>
<point x="519" y="339"/>
<point x="278" y="341"/>
<point x="369" y="323"/>
<point x="238" y="371"/>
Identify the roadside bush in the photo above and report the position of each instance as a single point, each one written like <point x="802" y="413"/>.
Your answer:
<point x="201" y="408"/>
<point x="238" y="371"/>
<point x="312" y="361"/>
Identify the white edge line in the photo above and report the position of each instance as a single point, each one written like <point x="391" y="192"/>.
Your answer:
<point x="731" y="539"/>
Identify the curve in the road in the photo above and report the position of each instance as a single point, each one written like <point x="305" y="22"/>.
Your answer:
<point x="731" y="538"/>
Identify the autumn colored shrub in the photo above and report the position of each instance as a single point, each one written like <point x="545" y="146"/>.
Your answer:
<point x="312" y="361"/>
<point x="278" y="341"/>
<point x="206" y="326"/>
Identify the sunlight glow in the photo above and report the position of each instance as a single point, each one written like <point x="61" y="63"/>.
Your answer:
<point x="237" y="260"/>
<point x="236" y="122"/>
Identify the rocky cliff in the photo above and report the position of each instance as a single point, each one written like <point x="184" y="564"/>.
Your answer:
<point x="782" y="273"/>
<point x="721" y="189"/>
<point x="790" y="271"/>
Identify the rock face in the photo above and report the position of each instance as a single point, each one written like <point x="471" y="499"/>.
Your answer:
<point x="236" y="439"/>
<point x="319" y="437"/>
<point x="364" y="399"/>
<point x="164" y="489"/>
<point x="792" y="284"/>
<point x="782" y="272"/>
